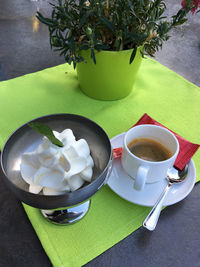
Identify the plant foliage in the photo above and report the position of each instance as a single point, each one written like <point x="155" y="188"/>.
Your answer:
<point x="110" y="25"/>
<point x="45" y="131"/>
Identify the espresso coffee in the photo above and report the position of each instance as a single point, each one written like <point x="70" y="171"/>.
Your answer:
<point x="149" y="149"/>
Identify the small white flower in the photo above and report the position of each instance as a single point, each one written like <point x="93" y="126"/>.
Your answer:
<point x="87" y="3"/>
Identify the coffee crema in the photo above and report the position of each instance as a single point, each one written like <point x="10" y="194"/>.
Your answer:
<point x="149" y="149"/>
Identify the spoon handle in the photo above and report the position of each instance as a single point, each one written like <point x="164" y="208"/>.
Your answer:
<point x="152" y="218"/>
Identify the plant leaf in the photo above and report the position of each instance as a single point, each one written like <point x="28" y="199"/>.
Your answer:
<point x="93" y="55"/>
<point x="46" y="131"/>
<point x="44" y="20"/>
<point x="133" y="55"/>
<point x="108" y="24"/>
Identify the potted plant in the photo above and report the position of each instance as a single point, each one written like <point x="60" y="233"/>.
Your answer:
<point x="106" y="39"/>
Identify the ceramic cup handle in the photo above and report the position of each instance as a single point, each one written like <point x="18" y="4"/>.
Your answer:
<point x="141" y="177"/>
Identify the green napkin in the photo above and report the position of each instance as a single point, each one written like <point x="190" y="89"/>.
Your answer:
<point x="158" y="91"/>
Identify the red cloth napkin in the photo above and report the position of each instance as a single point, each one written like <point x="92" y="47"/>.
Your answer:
<point x="187" y="149"/>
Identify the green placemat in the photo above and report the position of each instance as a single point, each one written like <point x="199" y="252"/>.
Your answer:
<point x="158" y="91"/>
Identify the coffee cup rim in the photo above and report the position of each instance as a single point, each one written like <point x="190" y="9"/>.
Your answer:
<point x="174" y="155"/>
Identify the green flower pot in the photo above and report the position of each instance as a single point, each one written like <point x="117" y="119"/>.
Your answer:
<point x="112" y="77"/>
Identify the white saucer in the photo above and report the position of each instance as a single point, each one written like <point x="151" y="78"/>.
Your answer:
<point x="122" y="184"/>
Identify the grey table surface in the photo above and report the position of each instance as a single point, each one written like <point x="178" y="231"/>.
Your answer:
<point x="24" y="48"/>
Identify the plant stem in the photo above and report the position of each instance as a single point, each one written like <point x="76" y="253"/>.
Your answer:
<point x="107" y="4"/>
<point x="107" y="8"/>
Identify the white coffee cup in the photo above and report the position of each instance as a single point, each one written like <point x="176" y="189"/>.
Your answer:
<point x="144" y="171"/>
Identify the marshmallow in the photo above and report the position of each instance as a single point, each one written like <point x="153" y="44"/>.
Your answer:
<point x="45" y="142"/>
<point x="75" y="182"/>
<point x="90" y="162"/>
<point x="51" y="191"/>
<point x="54" y="170"/>
<point x="29" y="165"/>
<point x="49" y="177"/>
<point x="64" y="163"/>
<point x="35" y="188"/>
<point x="81" y="147"/>
<point x="71" y="152"/>
<point x="67" y="137"/>
<point x="86" y="174"/>
<point x="48" y="157"/>
<point x="77" y="164"/>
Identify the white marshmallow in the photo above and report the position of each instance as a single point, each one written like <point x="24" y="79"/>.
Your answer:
<point x="64" y="163"/>
<point x="35" y="188"/>
<point x="51" y="191"/>
<point x="48" y="157"/>
<point x="45" y="143"/>
<point x="49" y="177"/>
<point x="86" y="174"/>
<point x="56" y="169"/>
<point x="77" y="165"/>
<point x="71" y="152"/>
<point x="67" y="137"/>
<point x="75" y="182"/>
<point x="90" y="162"/>
<point x="81" y="147"/>
<point x="64" y="186"/>
<point x="29" y="165"/>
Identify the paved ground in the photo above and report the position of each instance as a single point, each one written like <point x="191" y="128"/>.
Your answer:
<point x="181" y="52"/>
<point x="24" y="44"/>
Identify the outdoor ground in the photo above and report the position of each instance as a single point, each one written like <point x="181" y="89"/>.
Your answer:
<point x="24" y="42"/>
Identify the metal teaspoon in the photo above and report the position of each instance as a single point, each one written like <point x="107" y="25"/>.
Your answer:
<point x="173" y="176"/>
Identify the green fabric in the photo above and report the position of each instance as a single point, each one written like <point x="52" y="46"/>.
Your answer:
<point x="158" y="91"/>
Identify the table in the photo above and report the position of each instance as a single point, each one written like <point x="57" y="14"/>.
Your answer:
<point x="24" y="48"/>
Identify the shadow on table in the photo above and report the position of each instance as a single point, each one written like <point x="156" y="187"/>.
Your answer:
<point x="144" y="236"/>
<point x="1" y="73"/>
